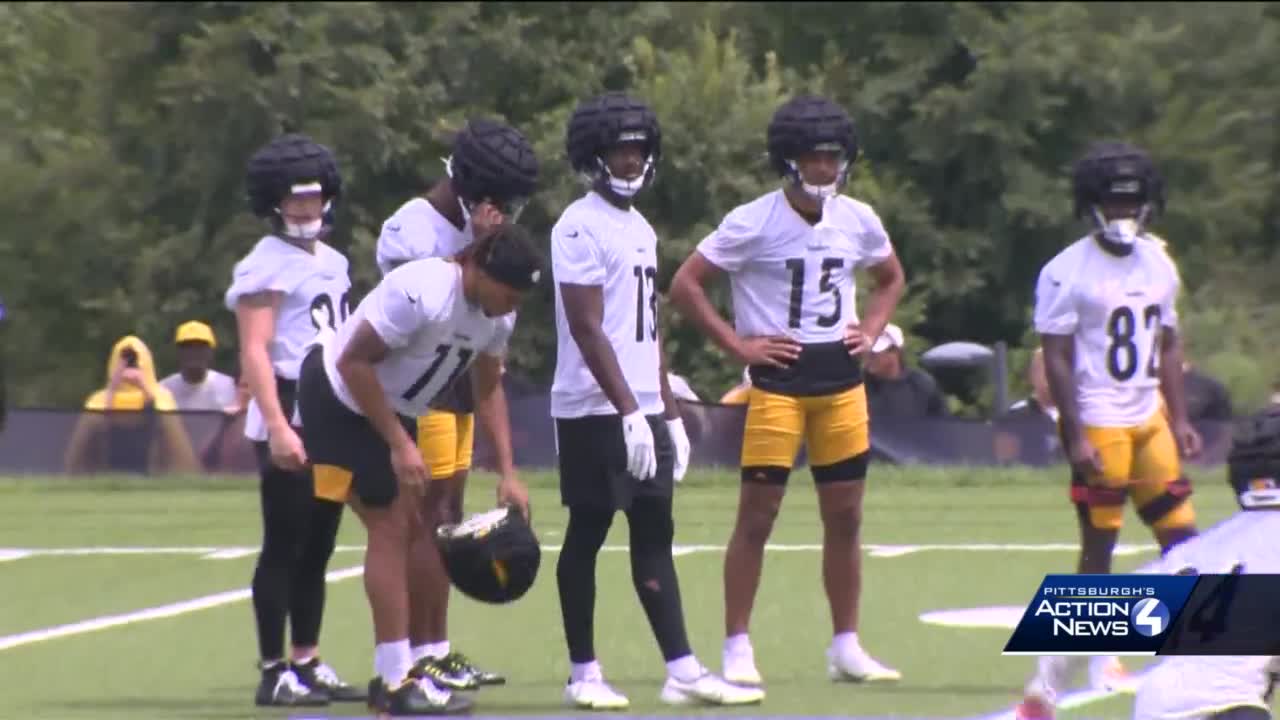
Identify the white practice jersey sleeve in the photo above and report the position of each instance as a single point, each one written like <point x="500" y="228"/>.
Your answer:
<point x="314" y="289"/>
<point x="597" y="244"/>
<point x="1116" y="310"/>
<point x="792" y="278"/>
<point x="432" y="332"/>
<point x="416" y="231"/>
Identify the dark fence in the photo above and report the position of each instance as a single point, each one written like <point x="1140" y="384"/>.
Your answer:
<point x="62" y="441"/>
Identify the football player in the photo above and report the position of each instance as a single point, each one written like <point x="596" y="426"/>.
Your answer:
<point x="361" y="393"/>
<point x="1105" y="309"/>
<point x="790" y="256"/>
<point x="285" y="291"/>
<point x="1204" y="687"/>
<point x="620" y="440"/>
<point x="492" y="172"/>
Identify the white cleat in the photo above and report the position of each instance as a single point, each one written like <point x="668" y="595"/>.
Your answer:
<point x="708" y="689"/>
<point x="1108" y="674"/>
<point x="857" y="666"/>
<point x="740" y="669"/>
<point x="594" y="693"/>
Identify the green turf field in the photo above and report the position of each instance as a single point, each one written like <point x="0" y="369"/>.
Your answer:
<point x="131" y="545"/>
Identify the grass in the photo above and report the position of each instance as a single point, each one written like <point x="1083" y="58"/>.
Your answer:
<point x="200" y="664"/>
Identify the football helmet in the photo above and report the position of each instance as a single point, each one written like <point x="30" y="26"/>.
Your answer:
<point x="607" y="120"/>
<point x="1116" y="171"/>
<point x="808" y="123"/>
<point x="495" y="163"/>
<point x="492" y="557"/>
<point x="1253" y="463"/>
<point x="293" y="164"/>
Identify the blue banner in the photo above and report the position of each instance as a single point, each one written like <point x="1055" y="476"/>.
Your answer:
<point x="1101" y="614"/>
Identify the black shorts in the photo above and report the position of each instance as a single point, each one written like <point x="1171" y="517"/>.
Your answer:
<point x="593" y="463"/>
<point x="334" y="435"/>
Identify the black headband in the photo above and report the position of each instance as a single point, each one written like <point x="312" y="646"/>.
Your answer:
<point x="519" y="273"/>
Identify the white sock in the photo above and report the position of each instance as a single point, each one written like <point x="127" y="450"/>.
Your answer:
<point x="438" y="650"/>
<point x="685" y="669"/>
<point x="304" y="659"/>
<point x="581" y="671"/>
<point x="845" y="642"/>
<point x="392" y="661"/>
<point x="419" y="651"/>
<point x="739" y="644"/>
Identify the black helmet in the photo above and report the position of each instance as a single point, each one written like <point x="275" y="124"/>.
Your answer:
<point x="492" y="557"/>
<point x="288" y="164"/>
<point x="1253" y="463"/>
<point x="1116" y="171"/>
<point x="493" y="162"/>
<point x="809" y="123"/>
<point x="607" y="120"/>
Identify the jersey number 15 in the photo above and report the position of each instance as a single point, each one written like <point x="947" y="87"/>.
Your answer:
<point x="796" y="266"/>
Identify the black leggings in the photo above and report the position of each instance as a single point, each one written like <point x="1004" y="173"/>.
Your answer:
<point x="653" y="572"/>
<point x="298" y="534"/>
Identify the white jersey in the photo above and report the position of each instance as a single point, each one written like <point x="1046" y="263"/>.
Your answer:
<point x="433" y="334"/>
<point x="596" y="243"/>
<point x="314" y="288"/>
<point x="417" y="230"/>
<point x="792" y="278"/>
<point x="1114" y="307"/>
<point x="1195" y="686"/>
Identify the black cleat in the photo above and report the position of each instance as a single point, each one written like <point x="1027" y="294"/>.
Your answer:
<point x="280" y="687"/>
<point x="318" y="676"/>
<point x="444" y="676"/>
<point x="461" y="665"/>
<point x="419" y="697"/>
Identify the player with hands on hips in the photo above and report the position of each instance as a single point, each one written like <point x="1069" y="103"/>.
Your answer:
<point x="791" y="256"/>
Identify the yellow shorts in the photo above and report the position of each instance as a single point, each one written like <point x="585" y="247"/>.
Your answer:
<point x="834" y="428"/>
<point x="331" y="482"/>
<point x="1140" y="461"/>
<point x="444" y="439"/>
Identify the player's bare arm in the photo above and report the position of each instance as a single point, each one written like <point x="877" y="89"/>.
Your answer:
<point x="584" y="309"/>
<point x="890" y="283"/>
<point x="355" y="364"/>
<point x="256" y="325"/>
<point x="491" y="411"/>
<point x="1173" y="387"/>
<point x="688" y="293"/>
<point x="1059" y="368"/>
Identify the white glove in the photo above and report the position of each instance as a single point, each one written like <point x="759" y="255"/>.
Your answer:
<point x="642" y="462"/>
<point x="680" y="439"/>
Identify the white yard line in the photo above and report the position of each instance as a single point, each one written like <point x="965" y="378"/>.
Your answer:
<point x="874" y="550"/>
<point x="152" y="613"/>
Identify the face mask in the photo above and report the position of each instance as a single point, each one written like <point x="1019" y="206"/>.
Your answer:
<point x="627" y="188"/>
<point x="1123" y="232"/>
<point x="304" y="231"/>
<point x="821" y="193"/>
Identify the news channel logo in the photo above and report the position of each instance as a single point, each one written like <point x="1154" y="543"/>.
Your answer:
<point x="1102" y="614"/>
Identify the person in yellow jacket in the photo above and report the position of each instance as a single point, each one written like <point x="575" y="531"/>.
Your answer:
<point x="131" y="424"/>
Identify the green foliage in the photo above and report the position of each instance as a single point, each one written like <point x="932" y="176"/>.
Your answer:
<point x="129" y="125"/>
